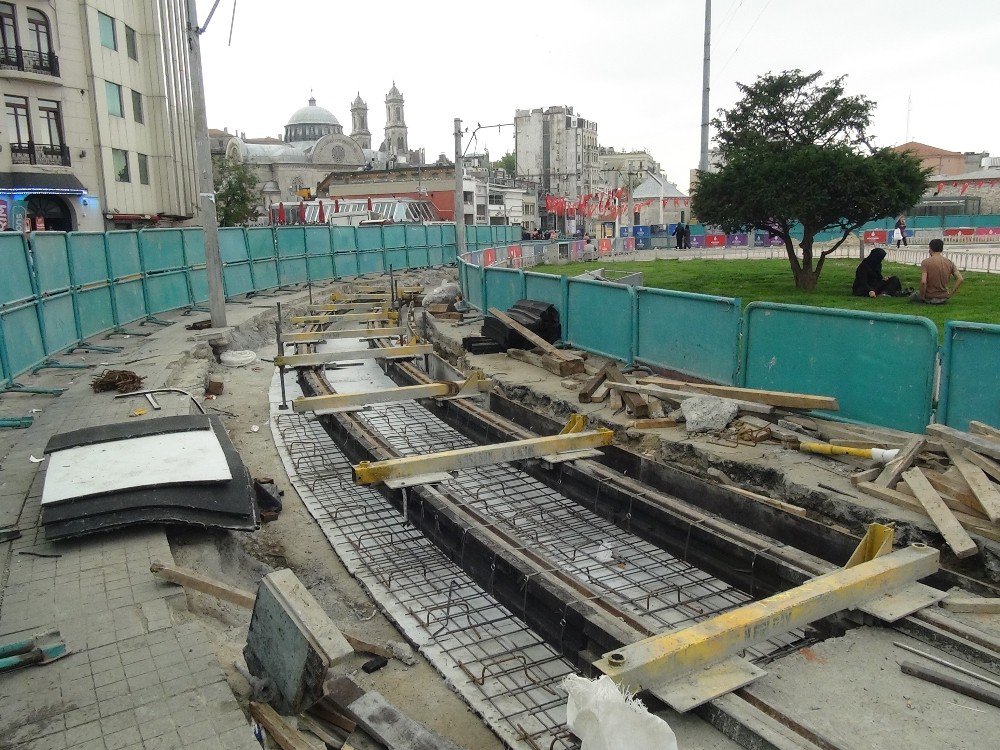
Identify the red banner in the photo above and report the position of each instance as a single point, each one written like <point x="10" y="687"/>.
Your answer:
<point x="988" y="232"/>
<point x="489" y="256"/>
<point x="715" y="240"/>
<point x="959" y="232"/>
<point x="604" y="247"/>
<point x="514" y="253"/>
<point x="876" y="236"/>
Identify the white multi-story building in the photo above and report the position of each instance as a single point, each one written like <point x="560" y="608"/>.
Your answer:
<point x="632" y="167"/>
<point x="558" y="150"/>
<point x="99" y="117"/>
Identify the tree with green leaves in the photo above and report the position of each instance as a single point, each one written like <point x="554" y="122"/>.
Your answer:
<point x="237" y="196"/>
<point x="507" y="163"/>
<point x="796" y="150"/>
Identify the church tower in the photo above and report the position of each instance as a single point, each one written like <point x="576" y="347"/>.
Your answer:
<point x="359" y="123"/>
<point x="395" y="125"/>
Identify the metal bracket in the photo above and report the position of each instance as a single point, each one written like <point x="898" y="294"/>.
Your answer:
<point x="85" y="347"/>
<point x="15" y="387"/>
<point x="51" y="364"/>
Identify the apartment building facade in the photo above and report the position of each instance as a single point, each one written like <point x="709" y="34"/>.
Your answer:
<point x="99" y="120"/>
<point x="557" y="149"/>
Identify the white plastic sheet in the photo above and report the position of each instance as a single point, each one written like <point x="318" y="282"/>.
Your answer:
<point x="605" y="719"/>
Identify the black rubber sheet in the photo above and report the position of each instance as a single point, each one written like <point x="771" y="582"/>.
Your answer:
<point x="126" y="431"/>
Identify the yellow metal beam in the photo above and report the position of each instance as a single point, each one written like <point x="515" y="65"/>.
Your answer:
<point x="657" y="662"/>
<point x="368" y="317"/>
<point x="368" y="472"/>
<point x="342" y="307"/>
<point x="385" y="396"/>
<point x="369" y="297"/>
<point x="324" y="358"/>
<point x="312" y="337"/>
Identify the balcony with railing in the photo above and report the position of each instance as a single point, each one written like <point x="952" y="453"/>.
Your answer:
<point x="29" y="61"/>
<point x="37" y="153"/>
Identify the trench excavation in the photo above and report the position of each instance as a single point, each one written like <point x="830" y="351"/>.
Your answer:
<point x="509" y="577"/>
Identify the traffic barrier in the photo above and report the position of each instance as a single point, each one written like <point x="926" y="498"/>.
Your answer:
<point x="970" y="360"/>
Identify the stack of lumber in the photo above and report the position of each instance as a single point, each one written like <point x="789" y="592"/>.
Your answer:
<point x="951" y="477"/>
<point x="556" y="361"/>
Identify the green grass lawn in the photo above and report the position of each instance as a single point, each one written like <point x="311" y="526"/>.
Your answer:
<point x="771" y="281"/>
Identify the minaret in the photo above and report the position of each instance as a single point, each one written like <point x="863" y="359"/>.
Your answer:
<point x="395" y="125"/>
<point x="359" y="123"/>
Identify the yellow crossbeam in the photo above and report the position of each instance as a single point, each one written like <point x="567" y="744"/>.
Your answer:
<point x="385" y="396"/>
<point x="655" y="662"/>
<point x="325" y="358"/>
<point x="345" y="318"/>
<point x="369" y="297"/>
<point x="339" y="307"/>
<point x="312" y="337"/>
<point x="368" y="472"/>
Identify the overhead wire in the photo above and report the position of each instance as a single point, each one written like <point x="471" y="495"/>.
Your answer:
<point x="745" y="36"/>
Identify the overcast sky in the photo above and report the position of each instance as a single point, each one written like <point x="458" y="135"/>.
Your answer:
<point x="633" y="66"/>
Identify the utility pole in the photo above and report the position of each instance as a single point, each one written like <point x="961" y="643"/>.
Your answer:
<point x="617" y="215"/>
<point x="206" y="183"/>
<point x="705" y="85"/>
<point x="631" y="204"/>
<point x="460" y="190"/>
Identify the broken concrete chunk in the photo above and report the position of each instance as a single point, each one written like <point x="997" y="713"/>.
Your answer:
<point x="708" y="413"/>
<point x="570" y="384"/>
<point x="403" y="652"/>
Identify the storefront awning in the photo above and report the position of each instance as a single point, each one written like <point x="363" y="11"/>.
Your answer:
<point x="132" y="218"/>
<point x="30" y="183"/>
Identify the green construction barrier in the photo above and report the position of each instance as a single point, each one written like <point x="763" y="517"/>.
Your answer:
<point x="127" y="293"/>
<point x="696" y="334"/>
<point x="318" y="240"/>
<point x="345" y="263"/>
<point x="345" y="239"/>
<point x="371" y="261"/>
<point x="396" y="258"/>
<point x="51" y="260"/>
<point x="161" y="249"/>
<point x="166" y="290"/>
<point x="970" y="361"/>
<point x="58" y="322"/>
<point x="416" y="235"/>
<point x="394" y="235"/>
<point x="237" y="277"/>
<point x="265" y="274"/>
<point x="290" y="241"/>
<point x="504" y="287"/>
<point x="599" y="317"/>
<point x="89" y="273"/>
<point x="369" y="238"/>
<point x="879" y="367"/>
<point x="474" y="286"/>
<point x="260" y="243"/>
<point x="22" y="338"/>
<point x="194" y="260"/>
<point x="15" y="281"/>
<point x="418" y="257"/>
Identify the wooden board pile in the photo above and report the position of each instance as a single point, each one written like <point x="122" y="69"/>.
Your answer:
<point x="951" y="477"/>
<point x="557" y="361"/>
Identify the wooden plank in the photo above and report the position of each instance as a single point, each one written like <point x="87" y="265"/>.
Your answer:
<point x="560" y="367"/>
<point x="277" y="729"/>
<point x="961" y="685"/>
<point x="978" y="443"/>
<point x="894" y="469"/>
<point x="949" y="500"/>
<point x="981" y="428"/>
<point x="956" y="537"/>
<point x="985" y="492"/>
<point x="868" y="475"/>
<point x="653" y="424"/>
<point x="191" y="579"/>
<point x="772" y="398"/>
<point x="955" y="487"/>
<point x="586" y="393"/>
<point x="564" y="366"/>
<point x="988" y="465"/>
<point x="973" y="604"/>
<point x="634" y="402"/>
<point x="382" y="720"/>
<point x="978" y="526"/>
<point x="675" y="397"/>
<point x="527" y="333"/>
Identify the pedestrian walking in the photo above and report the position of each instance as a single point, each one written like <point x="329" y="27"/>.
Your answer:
<point x="899" y="234"/>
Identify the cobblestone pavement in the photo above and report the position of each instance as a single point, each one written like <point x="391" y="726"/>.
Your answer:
<point x="142" y="673"/>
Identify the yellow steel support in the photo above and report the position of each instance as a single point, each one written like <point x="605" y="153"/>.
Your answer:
<point x="368" y="472"/>
<point x="314" y="337"/>
<point x="662" y="661"/>
<point x="324" y="358"/>
<point x="876" y="542"/>
<point x="342" y="307"/>
<point x="368" y="297"/>
<point x="575" y="423"/>
<point x="368" y="317"/>
<point x="385" y="396"/>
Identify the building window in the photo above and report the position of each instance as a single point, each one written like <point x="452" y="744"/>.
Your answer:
<point x="38" y="33"/>
<point x="116" y="107"/>
<point x="119" y="160"/>
<point x="131" y="42"/>
<point x="137" y="107"/>
<point x="106" y="25"/>
<point x="143" y="169"/>
<point x="50" y="132"/>
<point x="8" y="32"/>
<point x="18" y="123"/>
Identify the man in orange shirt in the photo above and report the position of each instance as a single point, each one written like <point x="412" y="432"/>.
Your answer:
<point x="935" y="273"/>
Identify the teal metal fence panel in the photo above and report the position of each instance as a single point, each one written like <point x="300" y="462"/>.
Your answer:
<point x="958" y="220"/>
<point x="194" y="246"/>
<point x="696" y="334"/>
<point x="233" y="245"/>
<point x="319" y="267"/>
<point x="970" y="361"/>
<point x="416" y="235"/>
<point x="371" y="261"/>
<point x="292" y="270"/>
<point x="87" y="258"/>
<point x="161" y="249"/>
<point x="435" y="234"/>
<point x="504" y="287"/>
<point x="22" y="335"/>
<point x="435" y="256"/>
<point x="600" y="317"/>
<point x="260" y="243"/>
<point x="345" y="263"/>
<point x="879" y="367"/>
<point x="418" y="257"/>
<point x="394" y="235"/>
<point x="237" y="279"/>
<point x="123" y="254"/>
<point x="483" y="235"/>
<point x="318" y="241"/>
<point x="94" y="311"/>
<point x="369" y="238"/>
<point x="129" y="301"/>
<point x="15" y="280"/>
<point x="396" y="258"/>
<point x="48" y="249"/>
<point x="58" y="323"/>
<point x="447" y="234"/>
<point x="166" y="290"/>
<point x="345" y="239"/>
<point x="265" y="274"/>
<point x="290" y="241"/>
<point x="546" y="288"/>
<point x="474" y="288"/>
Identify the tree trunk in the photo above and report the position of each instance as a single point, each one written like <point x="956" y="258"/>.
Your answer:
<point x="806" y="279"/>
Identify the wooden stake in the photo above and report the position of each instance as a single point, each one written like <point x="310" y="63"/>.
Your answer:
<point x="986" y="493"/>
<point x="277" y="729"/>
<point x="981" y="428"/>
<point x="894" y="469"/>
<point x="956" y="537"/>
<point x="191" y="579"/>
<point x="773" y="398"/>
<point x="979" y="526"/>
<point x="978" y="443"/>
<point x="988" y="465"/>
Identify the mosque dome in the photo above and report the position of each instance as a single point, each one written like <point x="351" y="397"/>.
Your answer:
<point x="309" y="124"/>
<point x="313" y="115"/>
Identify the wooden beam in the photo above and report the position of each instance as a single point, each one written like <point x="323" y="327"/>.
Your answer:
<point x="191" y="579"/>
<point x="277" y="729"/>
<point x="978" y="443"/>
<point x="345" y="318"/>
<point x="314" y="359"/>
<point x="589" y="388"/>
<point x="986" y="493"/>
<point x="956" y="505"/>
<point x="384" y="396"/>
<point x="981" y="428"/>
<point x="772" y="398"/>
<point x="960" y="685"/>
<point x="978" y="526"/>
<point x="988" y="465"/>
<point x="956" y="487"/>
<point x="561" y="367"/>
<point x="675" y="397"/>
<point x="634" y="402"/>
<point x="315" y="337"/>
<point x="868" y="475"/>
<point x="956" y="537"/>
<point x="973" y="604"/>
<point x="893" y="470"/>
<point x="654" y="424"/>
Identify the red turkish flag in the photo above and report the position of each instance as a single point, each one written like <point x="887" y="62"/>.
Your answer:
<point x="965" y="186"/>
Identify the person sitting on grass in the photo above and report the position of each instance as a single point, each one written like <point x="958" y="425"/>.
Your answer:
<point x="869" y="281"/>
<point x="935" y="273"/>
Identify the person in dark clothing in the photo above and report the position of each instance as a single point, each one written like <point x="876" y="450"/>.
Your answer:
<point x="900" y="232"/>
<point x="678" y="234"/>
<point x="869" y="281"/>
